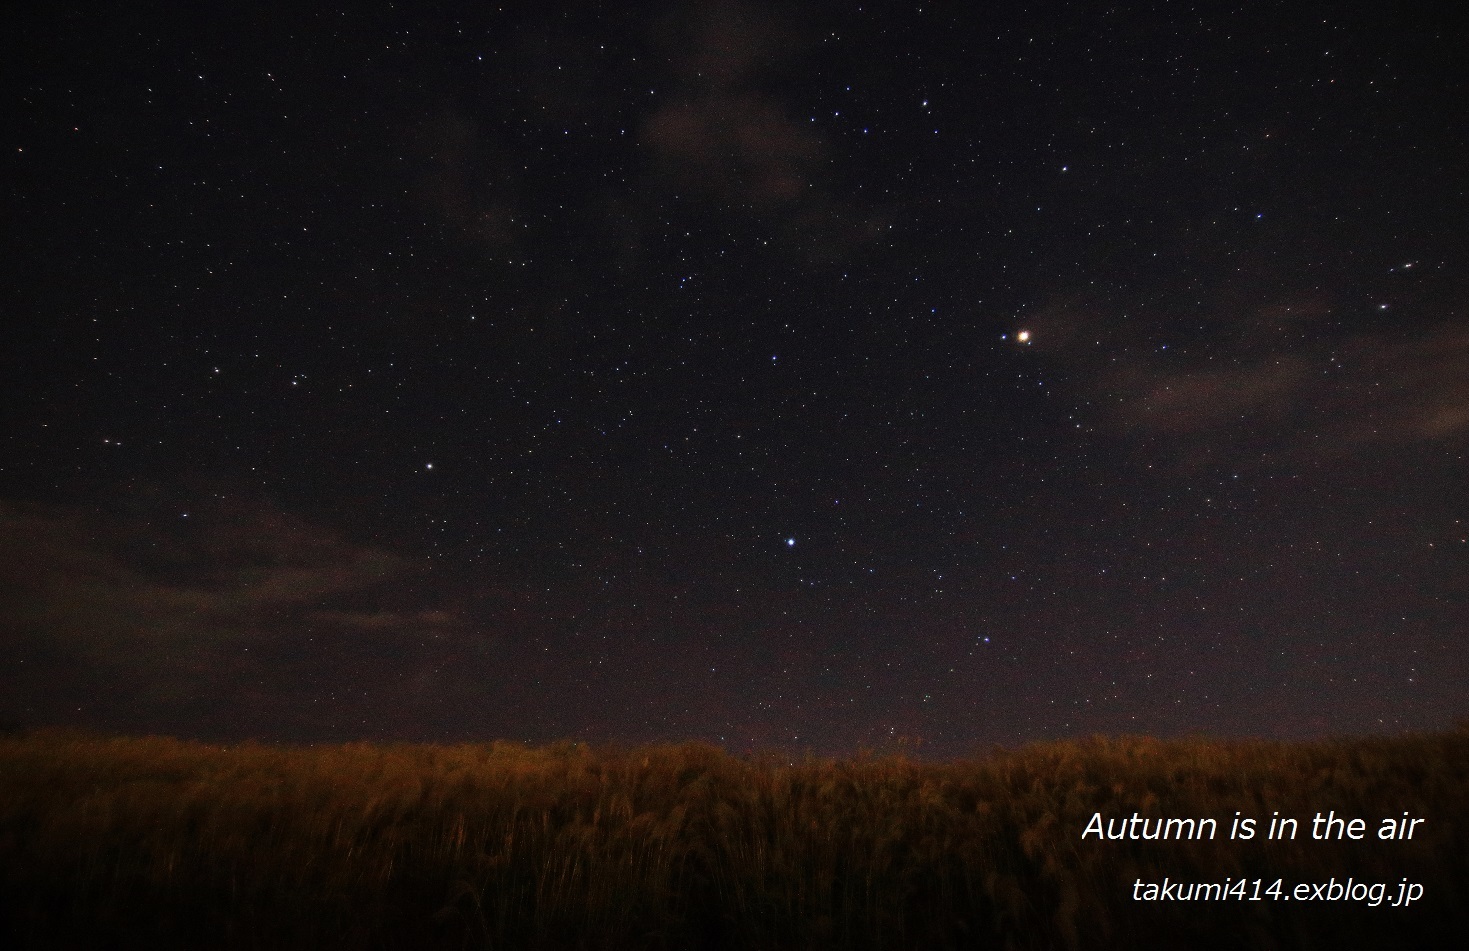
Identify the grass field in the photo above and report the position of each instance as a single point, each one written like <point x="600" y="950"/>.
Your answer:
<point x="154" y="842"/>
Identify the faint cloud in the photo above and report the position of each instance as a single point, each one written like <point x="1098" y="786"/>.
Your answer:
<point x="1330" y="396"/>
<point x="1281" y="314"/>
<point x="737" y="145"/>
<point x="464" y="182"/>
<point x="725" y="43"/>
<point x="722" y="131"/>
<point x="384" y="620"/>
<point x="1406" y="387"/>
<point x="1062" y="325"/>
<point x="1197" y="400"/>
<point x="171" y="609"/>
<point x="720" y="128"/>
<point x="1282" y="379"/>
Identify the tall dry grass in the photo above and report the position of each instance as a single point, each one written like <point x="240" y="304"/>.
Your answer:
<point x="163" y="843"/>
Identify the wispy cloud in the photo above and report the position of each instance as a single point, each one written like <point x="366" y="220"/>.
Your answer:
<point x="742" y="148"/>
<point x="465" y="183"/>
<point x="1283" y="379"/>
<point x="170" y="611"/>
<point x="719" y="128"/>
<point x="1172" y="400"/>
<point x="723" y="132"/>
<point x="1411" y="387"/>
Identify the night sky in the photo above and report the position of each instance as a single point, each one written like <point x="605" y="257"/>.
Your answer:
<point x="803" y="376"/>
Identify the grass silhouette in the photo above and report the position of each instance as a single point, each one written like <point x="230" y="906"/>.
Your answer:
<point x="108" y="842"/>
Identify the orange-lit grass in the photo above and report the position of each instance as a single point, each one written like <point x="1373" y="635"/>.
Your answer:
<point x="188" y="845"/>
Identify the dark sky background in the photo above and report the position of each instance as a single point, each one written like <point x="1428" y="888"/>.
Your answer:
<point x="800" y="376"/>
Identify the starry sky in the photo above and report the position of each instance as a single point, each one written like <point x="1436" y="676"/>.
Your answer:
<point x="802" y="376"/>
